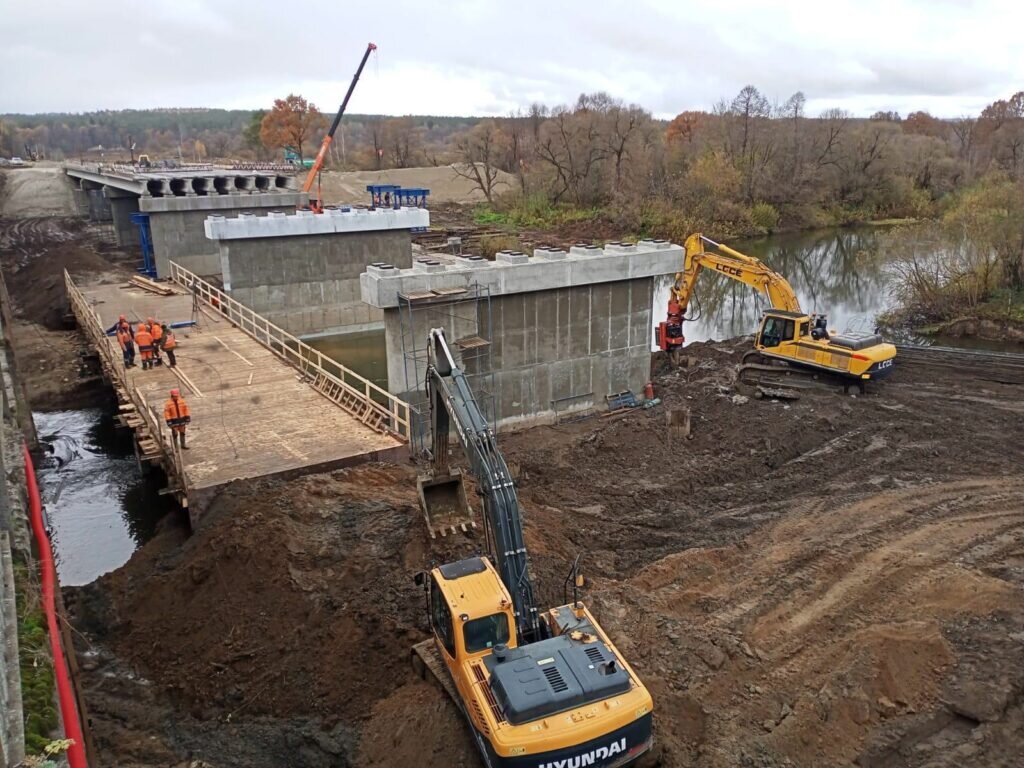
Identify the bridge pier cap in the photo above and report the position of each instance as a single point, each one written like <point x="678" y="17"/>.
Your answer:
<point x="516" y="272"/>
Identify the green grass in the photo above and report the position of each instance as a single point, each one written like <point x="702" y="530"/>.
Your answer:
<point x="534" y="213"/>
<point x="37" y="680"/>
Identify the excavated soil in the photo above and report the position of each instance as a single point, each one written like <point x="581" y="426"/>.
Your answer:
<point x="814" y="583"/>
<point x="821" y="582"/>
<point x="34" y="252"/>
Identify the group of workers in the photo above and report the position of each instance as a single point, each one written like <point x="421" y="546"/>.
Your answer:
<point x="151" y="337"/>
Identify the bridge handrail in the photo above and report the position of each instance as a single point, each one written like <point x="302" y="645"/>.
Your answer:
<point x="90" y="321"/>
<point x="296" y="352"/>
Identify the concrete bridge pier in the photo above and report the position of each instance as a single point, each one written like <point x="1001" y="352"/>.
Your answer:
<point x="97" y="205"/>
<point x="566" y="329"/>
<point x="122" y="206"/>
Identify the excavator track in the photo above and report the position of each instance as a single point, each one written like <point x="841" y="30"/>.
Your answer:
<point x="760" y="375"/>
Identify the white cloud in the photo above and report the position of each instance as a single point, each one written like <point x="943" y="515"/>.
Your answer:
<point x="492" y="57"/>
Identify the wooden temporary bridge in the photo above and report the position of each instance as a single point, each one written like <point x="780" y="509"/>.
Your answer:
<point x="263" y="402"/>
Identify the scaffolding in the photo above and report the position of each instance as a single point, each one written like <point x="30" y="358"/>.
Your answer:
<point x="465" y="316"/>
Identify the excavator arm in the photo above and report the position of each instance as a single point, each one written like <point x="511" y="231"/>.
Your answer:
<point x="732" y="264"/>
<point x="452" y="403"/>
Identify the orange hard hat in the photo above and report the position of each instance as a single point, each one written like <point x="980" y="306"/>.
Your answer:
<point x="175" y="393"/>
<point x="122" y="317"/>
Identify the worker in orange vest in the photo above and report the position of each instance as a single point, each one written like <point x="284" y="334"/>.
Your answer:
<point x="157" y="332"/>
<point x="177" y="416"/>
<point x="127" y="344"/>
<point x="145" y="341"/>
<point x="169" y="343"/>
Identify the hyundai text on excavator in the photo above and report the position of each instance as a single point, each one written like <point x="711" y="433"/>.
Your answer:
<point x="538" y="688"/>
<point x="789" y="340"/>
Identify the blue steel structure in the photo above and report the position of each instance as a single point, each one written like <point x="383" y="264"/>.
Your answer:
<point x="148" y="268"/>
<point x="396" y="196"/>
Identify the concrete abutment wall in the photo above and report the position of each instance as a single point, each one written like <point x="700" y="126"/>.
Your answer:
<point x="552" y="352"/>
<point x="565" y="329"/>
<point x="177" y="225"/>
<point x="302" y="272"/>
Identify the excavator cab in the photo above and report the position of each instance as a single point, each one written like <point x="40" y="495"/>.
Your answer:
<point x="779" y="327"/>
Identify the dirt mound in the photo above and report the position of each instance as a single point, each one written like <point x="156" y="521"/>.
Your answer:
<point x="36" y="191"/>
<point x="279" y="600"/>
<point x="416" y="725"/>
<point x="445" y="185"/>
<point x="800" y="584"/>
<point x="34" y="252"/>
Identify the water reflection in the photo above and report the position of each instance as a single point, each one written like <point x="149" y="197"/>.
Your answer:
<point x="98" y="505"/>
<point x="832" y="271"/>
<point x="362" y="352"/>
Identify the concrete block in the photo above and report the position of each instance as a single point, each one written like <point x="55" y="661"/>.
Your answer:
<point x="551" y="254"/>
<point x="616" y="247"/>
<point x="511" y="257"/>
<point x="584" y="249"/>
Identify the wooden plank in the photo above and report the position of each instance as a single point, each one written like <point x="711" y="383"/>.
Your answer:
<point x="233" y="352"/>
<point x="183" y="377"/>
<point x="149" y="285"/>
<point x="243" y="426"/>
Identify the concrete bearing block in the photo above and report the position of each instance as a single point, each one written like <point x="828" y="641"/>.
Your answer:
<point x="511" y="257"/>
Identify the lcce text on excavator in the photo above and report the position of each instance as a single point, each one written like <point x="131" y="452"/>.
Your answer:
<point x="538" y="688"/>
<point x="789" y="341"/>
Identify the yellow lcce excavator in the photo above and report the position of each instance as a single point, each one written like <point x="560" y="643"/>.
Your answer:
<point x="788" y="339"/>
<point x="539" y="689"/>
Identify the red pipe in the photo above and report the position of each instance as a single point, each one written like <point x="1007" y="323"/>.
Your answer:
<point x="68" y="709"/>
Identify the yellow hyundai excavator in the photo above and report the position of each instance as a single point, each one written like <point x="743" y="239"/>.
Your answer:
<point x="789" y="339"/>
<point x="538" y="688"/>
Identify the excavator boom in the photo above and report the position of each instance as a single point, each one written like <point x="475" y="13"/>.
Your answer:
<point x="451" y="399"/>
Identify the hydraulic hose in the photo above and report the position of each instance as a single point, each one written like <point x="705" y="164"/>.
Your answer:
<point x="48" y="576"/>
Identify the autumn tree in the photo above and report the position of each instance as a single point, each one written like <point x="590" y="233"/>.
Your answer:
<point x="401" y="141"/>
<point x="479" y="150"/>
<point x="291" y="123"/>
<point x="923" y="124"/>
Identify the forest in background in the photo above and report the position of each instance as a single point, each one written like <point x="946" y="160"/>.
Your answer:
<point x="748" y="166"/>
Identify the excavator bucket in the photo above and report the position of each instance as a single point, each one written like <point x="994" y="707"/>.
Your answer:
<point x="444" y="503"/>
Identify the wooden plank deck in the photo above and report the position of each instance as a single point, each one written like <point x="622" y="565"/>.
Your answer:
<point x="254" y="415"/>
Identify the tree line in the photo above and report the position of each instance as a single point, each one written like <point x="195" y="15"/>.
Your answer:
<point x="747" y="165"/>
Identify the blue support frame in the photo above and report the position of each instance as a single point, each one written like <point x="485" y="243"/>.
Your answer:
<point x="148" y="268"/>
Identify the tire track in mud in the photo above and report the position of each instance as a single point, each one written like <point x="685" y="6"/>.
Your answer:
<point x="833" y="600"/>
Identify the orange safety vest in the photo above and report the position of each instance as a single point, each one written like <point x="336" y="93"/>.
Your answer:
<point x="156" y="332"/>
<point x="176" y="412"/>
<point x="123" y="338"/>
<point x="143" y="338"/>
<point x="169" y="341"/>
<point x="126" y="327"/>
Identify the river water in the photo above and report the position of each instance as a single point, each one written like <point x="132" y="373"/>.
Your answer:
<point x="832" y="271"/>
<point x="98" y="506"/>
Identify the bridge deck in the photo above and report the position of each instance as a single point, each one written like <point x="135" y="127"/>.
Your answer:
<point x="253" y="414"/>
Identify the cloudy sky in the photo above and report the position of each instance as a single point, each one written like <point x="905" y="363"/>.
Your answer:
<point x="457" y="57"/>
